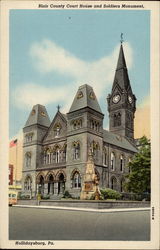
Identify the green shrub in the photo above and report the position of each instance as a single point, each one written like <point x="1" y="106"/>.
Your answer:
<point x="110" y="194"/>
<point x="66" y="195"/>
<point x="25" y="196"/>
<point x="45" y="196"/>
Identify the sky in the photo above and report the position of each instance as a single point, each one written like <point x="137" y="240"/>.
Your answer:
<point x="53" y="52"/>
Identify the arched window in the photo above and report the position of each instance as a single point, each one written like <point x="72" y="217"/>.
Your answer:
<point x="112" y="161"/>
<point x="57" y="129"/>
<point x="28" y="183"/>
<point x="95" y="149"/>
<point x="76" y="180"/>
<point x="57" y="155"/>
<point x="64" y="153"/>
<point x="115" y="120"/>
<point x="121" y="163"/>
<point x="121" y="185"/>
<point x="77" y="124"/>
<point x="76" y="151"/>
<point x="119" y="119"/>
<point x="105" y="156"/>
<point x="94" y="125"/>
<point x="114" y="183"/>
<point x="28" y="159"/>
<point x="47" y="157"/>
<point x="129" y="167"/>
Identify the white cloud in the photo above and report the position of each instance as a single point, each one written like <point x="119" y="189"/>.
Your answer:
<point x="35" y="94"/>
<point x="49" y="57"/>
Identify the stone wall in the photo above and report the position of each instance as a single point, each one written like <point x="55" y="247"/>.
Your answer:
<point x="88" y="204"/>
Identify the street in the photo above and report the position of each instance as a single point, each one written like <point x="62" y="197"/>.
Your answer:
<point x="54" y="224"/>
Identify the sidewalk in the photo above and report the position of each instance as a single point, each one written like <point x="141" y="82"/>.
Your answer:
<point x="86" y="209"/>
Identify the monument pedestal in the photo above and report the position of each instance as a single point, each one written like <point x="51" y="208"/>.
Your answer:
<point x="90" y="185"/>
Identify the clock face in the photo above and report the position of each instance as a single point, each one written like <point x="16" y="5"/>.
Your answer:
<point x="130" y="99"/>
<point x="116" y="98"/>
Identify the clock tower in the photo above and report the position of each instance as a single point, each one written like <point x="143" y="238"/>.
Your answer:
<point x="121" y="101"/>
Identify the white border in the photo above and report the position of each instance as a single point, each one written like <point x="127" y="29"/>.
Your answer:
<point x="154" y="7"/>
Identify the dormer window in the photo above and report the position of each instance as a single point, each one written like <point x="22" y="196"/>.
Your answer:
<point x="80" y="95"/>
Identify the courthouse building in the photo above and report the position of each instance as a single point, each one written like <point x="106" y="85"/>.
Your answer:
<point x="55" y="153"/>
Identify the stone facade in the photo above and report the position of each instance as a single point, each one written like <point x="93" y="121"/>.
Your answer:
<point x="56" y="153"/>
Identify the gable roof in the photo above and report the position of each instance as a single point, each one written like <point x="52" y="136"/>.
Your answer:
<point x="119" y="141"/>
<point x="85" y="97"/>
<point x="38" y="115"/>
<point x="62" y="117"/>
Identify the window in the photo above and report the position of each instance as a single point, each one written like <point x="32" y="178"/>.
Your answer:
<point x="76" y="180"/>
<point x="129" y="167"/>
<point x="28" y="183"/>
<point x="95" y="149"/>
<point x="114" y="183"/>
<point x="77" y="124"/>
<point x="28" y="159"/>
<point x="117" y="120"/>
<point x="112" y="161"/>
<point x="47" y="157"/>
<point x="64" y="153"/>
<point x="57" y="155"/>
<point x="29" y="137"/>
<point x="121" y="183"/>
<point x="76" y="151"/>
<point x="57" y="129"/>
<point x="94" y="125"/>
<point x="121" y="163"/>
<point x="105" y="156"/>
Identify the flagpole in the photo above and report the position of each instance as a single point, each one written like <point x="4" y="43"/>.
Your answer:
<point x="16" y="169"/>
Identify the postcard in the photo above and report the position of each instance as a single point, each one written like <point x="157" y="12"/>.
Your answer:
<point x="79" y="125"/>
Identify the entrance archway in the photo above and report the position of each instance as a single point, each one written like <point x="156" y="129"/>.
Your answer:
<point x="41" y="185"/>
<point x="50" y="184"/>
<point x="61" y="183"/>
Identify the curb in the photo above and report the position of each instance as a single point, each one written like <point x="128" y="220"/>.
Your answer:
<point x="86" y="209"/>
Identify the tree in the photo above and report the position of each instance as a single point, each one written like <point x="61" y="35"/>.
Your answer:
<point x="138" y="180"/>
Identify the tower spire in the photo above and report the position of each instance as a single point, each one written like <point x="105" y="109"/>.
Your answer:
<point x="122" y="101"/>
<point x="121" y="75"/>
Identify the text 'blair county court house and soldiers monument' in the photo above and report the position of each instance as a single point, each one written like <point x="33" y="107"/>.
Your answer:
<point x="55" y="154"/>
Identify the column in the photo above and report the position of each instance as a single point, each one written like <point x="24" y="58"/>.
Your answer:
<point x="56" y="188"/>
<point x="45" y="188"/>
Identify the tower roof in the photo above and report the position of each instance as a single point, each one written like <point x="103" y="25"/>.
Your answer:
<point x="121" y="75"/>
<point x="38" y="115"/>
<point x="85" y="97"/>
